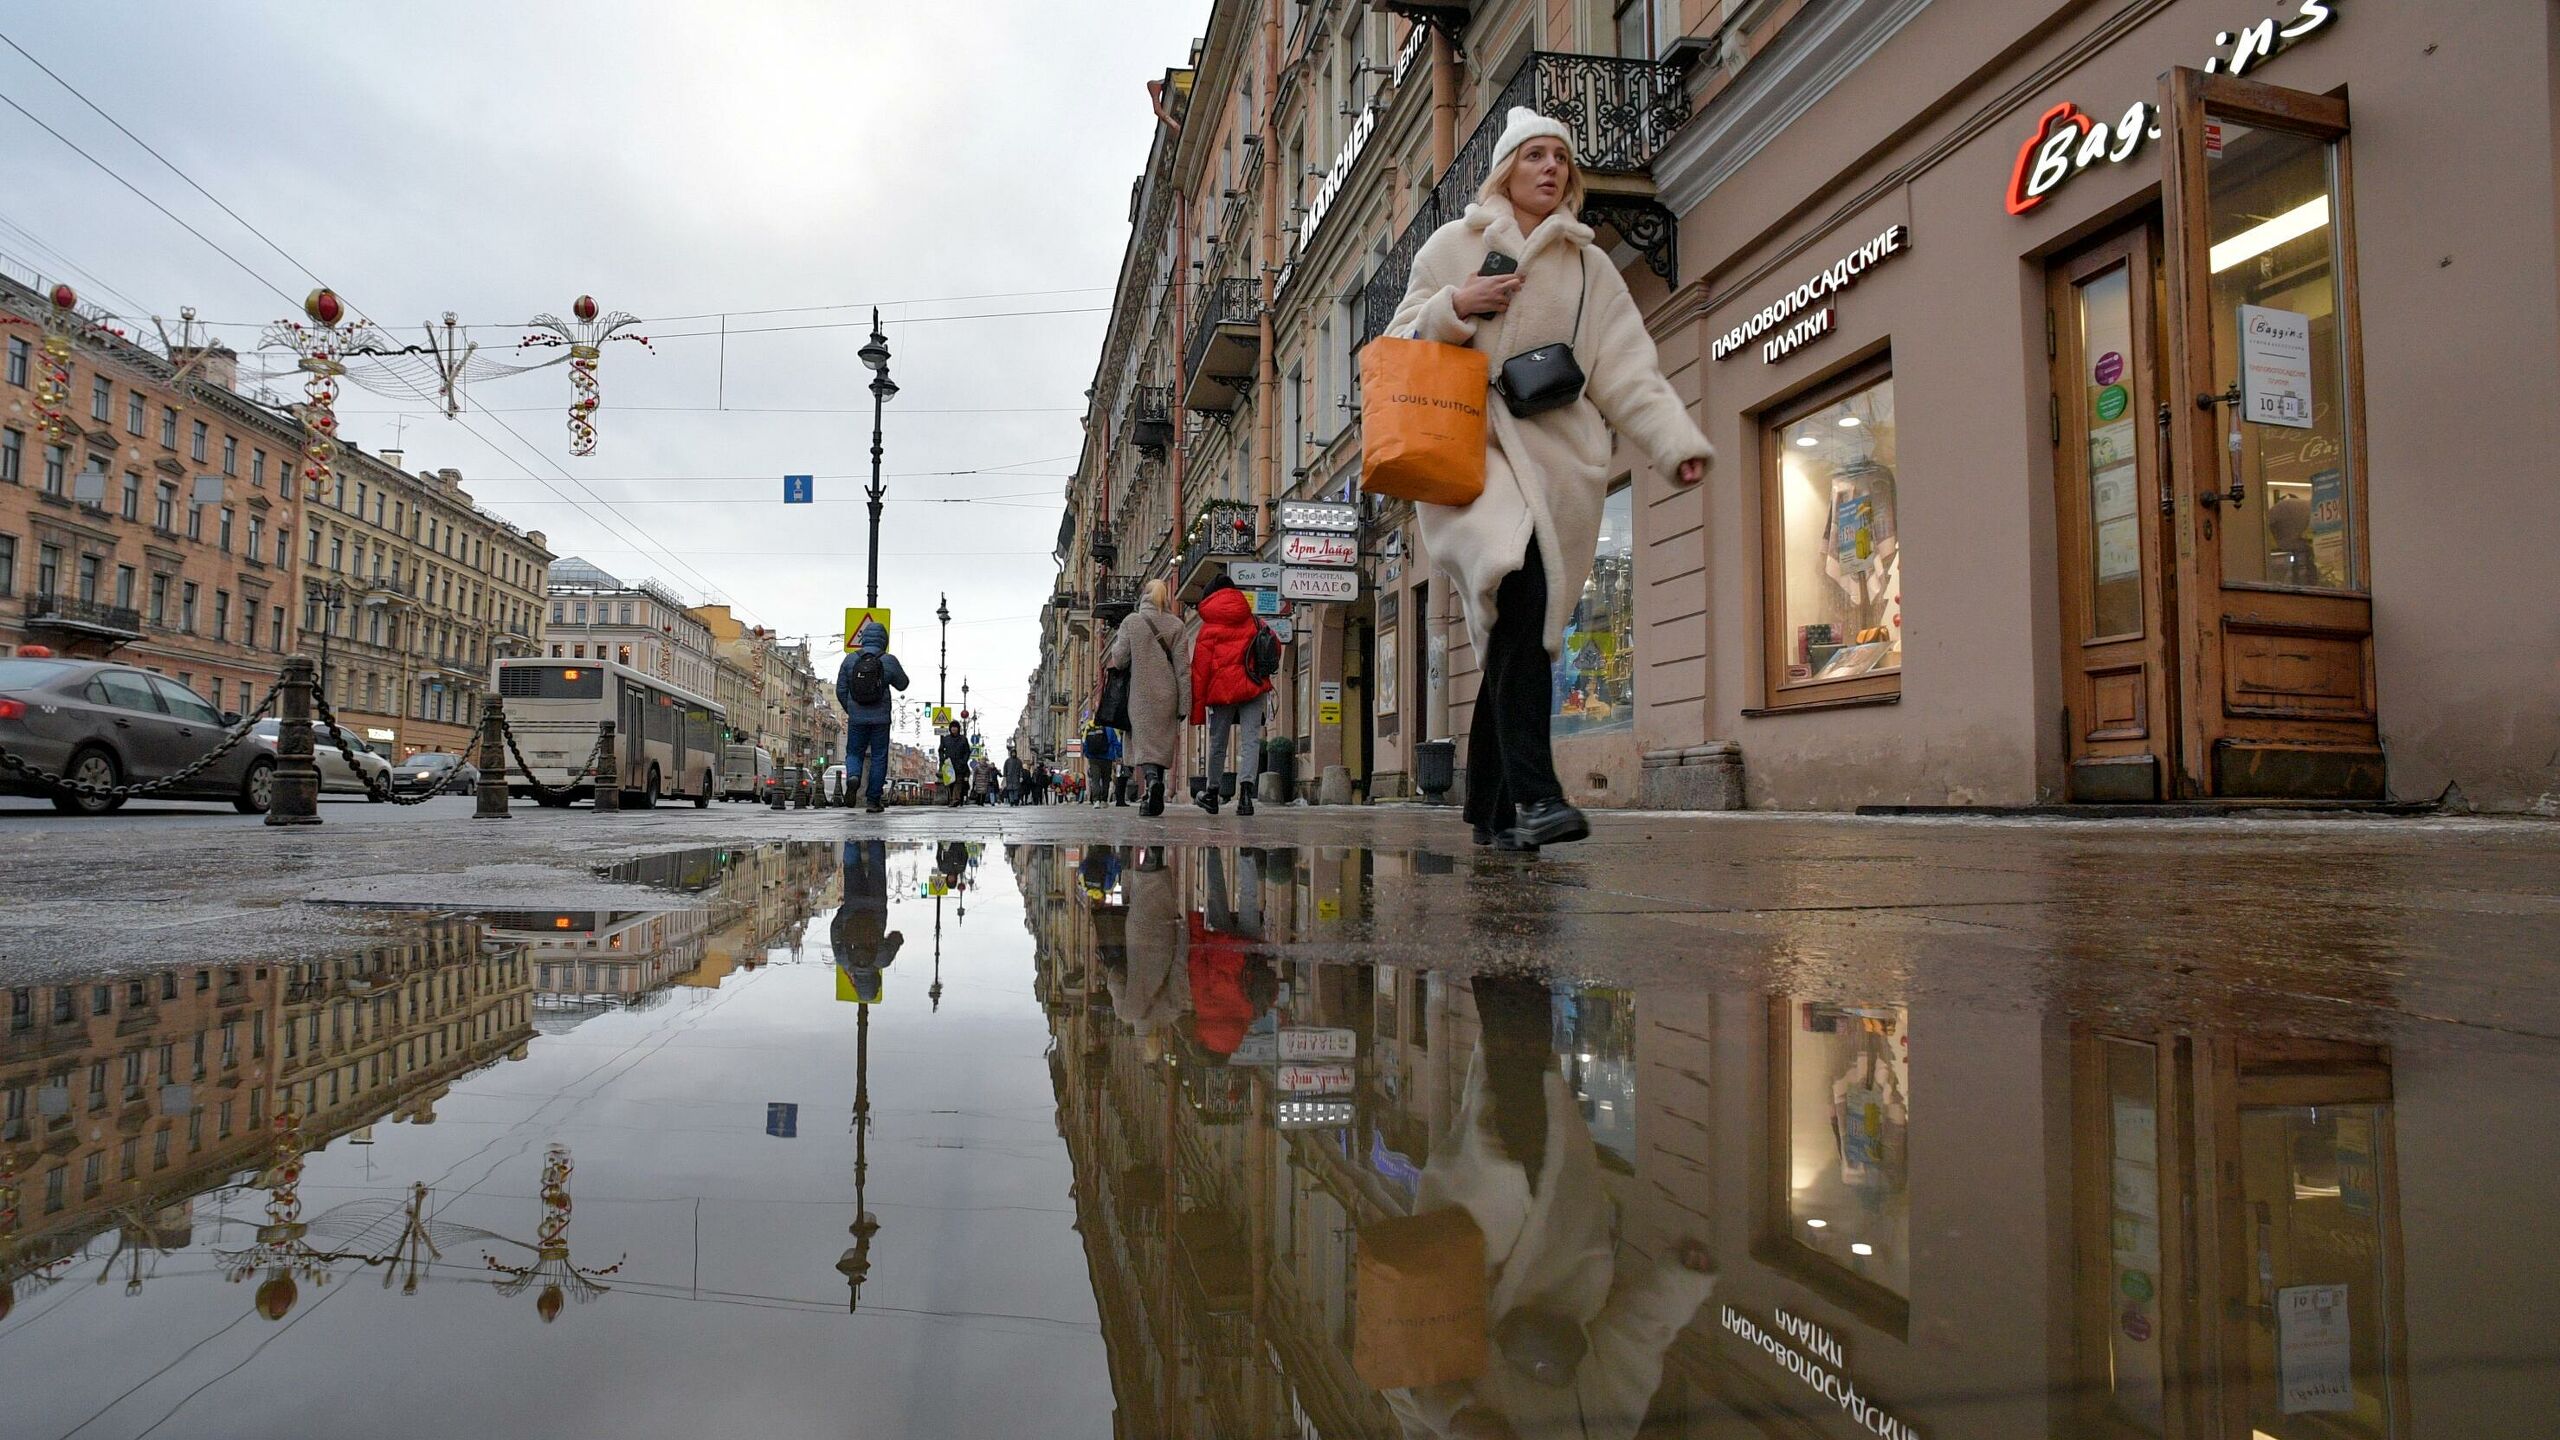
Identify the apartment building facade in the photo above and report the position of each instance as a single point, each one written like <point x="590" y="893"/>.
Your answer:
<point x="636" y="623"/>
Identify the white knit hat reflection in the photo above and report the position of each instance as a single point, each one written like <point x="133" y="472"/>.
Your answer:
<point x="1523" y="126"/>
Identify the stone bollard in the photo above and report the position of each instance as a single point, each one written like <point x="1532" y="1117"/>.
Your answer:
<point x="1333" y="786"/>
<point x="800" y="793"/>
<point x="493" y="760"/>
<point x="297" y="787"/>
<point x="608" y="771"/>
<point x="774" y="796"/>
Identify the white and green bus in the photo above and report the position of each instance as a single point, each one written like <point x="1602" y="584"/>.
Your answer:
<point x="667" y="739"/>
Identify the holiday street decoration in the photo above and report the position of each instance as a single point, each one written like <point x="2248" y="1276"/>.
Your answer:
<point x="551" y="1267"/>
<point x="322" y="348"/>
<point x="62" y="325"/>
<point x="283" y="1250"/>
<point x="585" y="336"/>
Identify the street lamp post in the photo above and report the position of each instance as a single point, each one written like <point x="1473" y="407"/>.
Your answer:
<point x="875" y="354"/>
<point x="942" y="687"/>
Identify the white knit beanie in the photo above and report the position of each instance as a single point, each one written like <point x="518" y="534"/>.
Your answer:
<point x="1523" y="126"/>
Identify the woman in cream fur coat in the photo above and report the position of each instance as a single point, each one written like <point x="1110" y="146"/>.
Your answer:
<point x="1520" y="553"/>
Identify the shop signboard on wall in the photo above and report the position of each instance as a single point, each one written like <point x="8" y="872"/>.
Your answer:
<point x="1328" y="515"/>
<point x="1324" y="586"/>
<point x="1267" y="603"/>
<point x="1315" y="1079"/>
<point x="2068" y="140"/>
<point x="2275" y="367"/>
<point x="1284" y="628"/>
<point x="1254" y="574"/>
<point x="1791" y="322"/>
<point x="1307" y="1044"/>
<point x="1321" y="549"/>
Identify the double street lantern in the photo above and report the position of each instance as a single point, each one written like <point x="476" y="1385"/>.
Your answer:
<point x="875" y="354"/>
<point x="942" y="687"/>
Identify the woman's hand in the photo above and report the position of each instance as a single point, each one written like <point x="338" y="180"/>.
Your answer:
<point x="1692" y="471"/>
<point x="1485" y="294"/>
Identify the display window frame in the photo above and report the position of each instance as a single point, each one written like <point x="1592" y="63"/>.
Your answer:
<point x="1774" y="1241"/>
<point x="1778" y="693"/>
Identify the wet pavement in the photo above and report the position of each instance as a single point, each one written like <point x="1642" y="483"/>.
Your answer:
<point x="1930" y="1131"/>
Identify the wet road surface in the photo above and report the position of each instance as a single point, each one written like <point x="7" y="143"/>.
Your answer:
<point x="974" y="1138"/>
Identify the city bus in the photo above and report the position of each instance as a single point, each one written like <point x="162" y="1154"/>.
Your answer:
<point x="667" y="738"/>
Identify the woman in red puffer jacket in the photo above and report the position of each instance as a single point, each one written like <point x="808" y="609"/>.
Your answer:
<point x="1225" y="696"/>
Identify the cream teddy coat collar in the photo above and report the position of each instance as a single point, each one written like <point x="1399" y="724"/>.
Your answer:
<point x="1546" y="477"/>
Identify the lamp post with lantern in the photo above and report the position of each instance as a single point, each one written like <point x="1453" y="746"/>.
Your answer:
<point x="875" y="354"/>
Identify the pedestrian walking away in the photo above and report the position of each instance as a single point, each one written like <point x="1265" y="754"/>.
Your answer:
<point x="1232" y="660"/>
<point x="1149" y="645"/>
<point x="863" y="685"/>
<point x="1014" y="782"/>
<point x="1519" y="553"/>
<point x="955" y="753"/>
<point x="1101" y="747"/>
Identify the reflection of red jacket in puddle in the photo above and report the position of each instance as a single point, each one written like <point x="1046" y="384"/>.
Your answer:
<point x="1218" y="674"/>
<point x="1219" y="1005"/>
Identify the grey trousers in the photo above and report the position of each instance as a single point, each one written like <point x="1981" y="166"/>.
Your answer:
<point x="1246" y="718"/>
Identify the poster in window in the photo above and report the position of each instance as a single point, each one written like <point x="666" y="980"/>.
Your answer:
<point x="1383" y="682"/>
<point x="2119" y="548"/>
<point x="2275" y="367"/>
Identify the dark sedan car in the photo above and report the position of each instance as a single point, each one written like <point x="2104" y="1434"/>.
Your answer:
<point x="103" y="723"/>
<point x="434" y="771"/>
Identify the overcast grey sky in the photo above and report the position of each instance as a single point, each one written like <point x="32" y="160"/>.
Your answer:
<point x="673" y="160"/>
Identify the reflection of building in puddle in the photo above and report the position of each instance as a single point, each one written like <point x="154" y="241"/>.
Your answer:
<point x="134" y="1105"/>
<point x="586" y="962"/>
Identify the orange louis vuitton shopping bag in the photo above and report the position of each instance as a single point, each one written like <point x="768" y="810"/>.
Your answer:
<point x="1422" y="418"/>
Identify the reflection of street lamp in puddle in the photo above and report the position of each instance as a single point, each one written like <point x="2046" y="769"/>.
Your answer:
<point x="855" y="1263"/>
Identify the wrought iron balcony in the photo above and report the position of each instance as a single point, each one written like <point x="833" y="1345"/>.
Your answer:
<point x="1104" y="545"/>
<point x="84" y="617"/>
<point x="1621" y="112"/>
<point x="1115" y="597"/>
<point x="1151" y="419"/>
<point x="1226" y="340"/>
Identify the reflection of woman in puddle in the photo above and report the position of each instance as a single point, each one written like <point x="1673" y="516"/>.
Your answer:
<point x="1230" y="986"/>
<point x="1577" y="1345"/>
<point x="864" y="943"/>
<point x="1151" y="990"/>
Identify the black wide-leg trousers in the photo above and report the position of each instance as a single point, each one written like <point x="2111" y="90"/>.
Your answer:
<point x="1509" y="760"/>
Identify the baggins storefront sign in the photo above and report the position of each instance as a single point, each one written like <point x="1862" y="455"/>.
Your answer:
<point x="1778" y="313"/>
<point x="2068" y="140"/>
<point x="1811" y="1368"/>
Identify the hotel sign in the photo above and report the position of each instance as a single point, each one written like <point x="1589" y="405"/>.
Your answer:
<point x="2068" y="140"/>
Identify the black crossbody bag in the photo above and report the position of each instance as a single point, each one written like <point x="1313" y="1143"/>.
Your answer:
<point x="1534" y="382"/>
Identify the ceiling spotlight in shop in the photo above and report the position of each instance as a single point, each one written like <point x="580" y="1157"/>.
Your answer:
<point x="1807" y="441"/>
<point x="1817" y="1224"/>
<point x="1850" y="422"/>
<point x="1862" y="1248"/>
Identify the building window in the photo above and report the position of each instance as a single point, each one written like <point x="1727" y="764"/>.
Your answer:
<point x="90" y="568"/>
<point x="48" y="569"/>
<point x="195" y="521"/>
<point x="124" y="587"/>
<point x="169" y="426"/>
<point x="102" y="398"/>
<point x="275" y="627"/>
<point x="18" y="355"/>
<point x="160" y="600"/>
<point x="13" y="455"/>
<point x="249" y="622"/>
<point x="133" y="411"/>
<point x="337" y="553"/>
<point x="1840" y="1201"/>
<point x="257" y="535"/>
<point x="1594" y="687"/>
<point x="8" y="564"/>
<point x="221" y="614"/>
<point x="195" y="440"/>
<point x="230" y="455"/>
<point x="57" y="461"/>
<point x="132" y="496"/>
<point x="223" y="535"/>
<point x="258" y="468"/>
<point x="187" y="608"/>
<point x="164" y="508"/>
<point x="1833" y="552"/>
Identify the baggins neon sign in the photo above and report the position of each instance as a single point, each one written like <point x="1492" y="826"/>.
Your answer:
<point x="2069" y="140"/>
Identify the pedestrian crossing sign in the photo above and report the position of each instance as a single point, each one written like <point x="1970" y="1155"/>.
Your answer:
<point x="941" y="717"/>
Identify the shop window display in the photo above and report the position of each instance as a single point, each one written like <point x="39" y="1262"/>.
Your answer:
<point x="1846" y="1073"/>
<point x="1594" y="685"/>
<point x="1836" y="554"/>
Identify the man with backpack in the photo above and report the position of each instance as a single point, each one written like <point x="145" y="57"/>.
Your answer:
<point x="1232" y="663"/>
<point x="863" y="685"/>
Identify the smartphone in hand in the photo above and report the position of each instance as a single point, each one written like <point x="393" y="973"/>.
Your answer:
<point x="1497" y="263"/>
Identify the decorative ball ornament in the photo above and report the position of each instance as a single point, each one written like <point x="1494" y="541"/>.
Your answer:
<point x="276" y="1296"/>
<point x="324" y="306"/>
<point x="547" y="1304"/>
<point x="585" y="308"/>
<point x="64" y="297"/>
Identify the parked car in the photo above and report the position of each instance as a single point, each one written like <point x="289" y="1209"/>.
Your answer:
<point x="746" y="772"/>
<point x="434" y="771"/>
<point x="340" y="774"/>
<point x="104" y="723"/>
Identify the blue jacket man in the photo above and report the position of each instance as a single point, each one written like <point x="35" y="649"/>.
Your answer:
<point x="866" y="744"/>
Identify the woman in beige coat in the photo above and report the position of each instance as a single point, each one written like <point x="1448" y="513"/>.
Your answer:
<point x="1520" y="553"/>
<point x="1151" y="647"/>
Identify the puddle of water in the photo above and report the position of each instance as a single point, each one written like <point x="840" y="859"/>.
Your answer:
<point x="889" y="1130"/>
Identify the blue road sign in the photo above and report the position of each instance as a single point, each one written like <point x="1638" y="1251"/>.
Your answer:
<point x="781" y="1117"/>
<point x="798" y="489"/>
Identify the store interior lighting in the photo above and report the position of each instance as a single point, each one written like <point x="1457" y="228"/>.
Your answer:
<point x="2258" y="239"/>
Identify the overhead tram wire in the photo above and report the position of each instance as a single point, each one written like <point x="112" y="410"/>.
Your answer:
<point x="245" y="268"/>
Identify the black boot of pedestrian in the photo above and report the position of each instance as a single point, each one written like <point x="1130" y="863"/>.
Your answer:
<point x="1153" y="804"/>
<point x="1207" y="799"/>
<point x="1546" y="822"/>
<point x="1244" y="802"/>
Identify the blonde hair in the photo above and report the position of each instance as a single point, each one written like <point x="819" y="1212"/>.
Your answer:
<point x="1497" y="186"/>
<point x="1159" y="593"/>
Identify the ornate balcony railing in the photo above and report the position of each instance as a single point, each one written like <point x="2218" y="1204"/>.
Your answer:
<point x="89" y="616"/>
<point x="1104" y="545"/>
<point x="1115" y="597"/>
<point x="1224" y="344"/>
<point x="1621" y="112"/>
<point x="1151" y="419"/>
